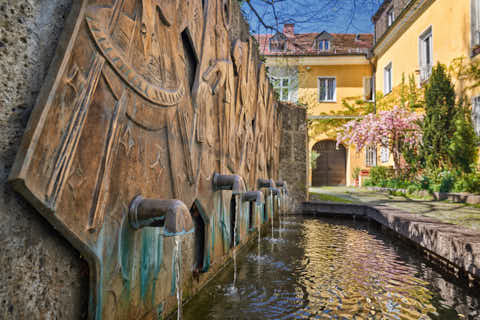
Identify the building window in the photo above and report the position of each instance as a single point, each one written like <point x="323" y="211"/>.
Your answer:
<point x="281" y="86"/>
<point x="278" y="46"/>
<point x="476" y="114"/>
<point x="390" y="17"/>
<point x="278" y="43"/>
<point x="327" y="91"/>
<point x="425" y="54"/>
<point x="323" y="45"/>
<point x="387" y="79"/>
<point x="476" y="22"/>
<point x="370" y="156"/>
<point x="384" y="152"/>
<point x="368" y="89"/>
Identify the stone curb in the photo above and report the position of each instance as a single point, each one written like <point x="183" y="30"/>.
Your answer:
<point x="456" y="245"/>
<point x="460" y="197"/>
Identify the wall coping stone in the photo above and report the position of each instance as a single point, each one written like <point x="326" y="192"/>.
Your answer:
<point x="456" y="197"/>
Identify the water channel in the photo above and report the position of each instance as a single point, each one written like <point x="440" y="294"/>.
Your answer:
<point x="331" y="269"/>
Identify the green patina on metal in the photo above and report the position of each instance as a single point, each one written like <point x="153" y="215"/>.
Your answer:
<point x="158" y="262"/>
<point x="174" y="275"/>
<point x="146" y="261"/>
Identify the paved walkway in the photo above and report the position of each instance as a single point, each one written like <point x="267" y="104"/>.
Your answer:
<point x="460" y="214"/>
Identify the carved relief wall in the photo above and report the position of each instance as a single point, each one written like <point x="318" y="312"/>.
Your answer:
<point x="149" y="98"/>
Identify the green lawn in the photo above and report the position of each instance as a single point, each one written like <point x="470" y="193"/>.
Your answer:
<point x="328" y="198"/>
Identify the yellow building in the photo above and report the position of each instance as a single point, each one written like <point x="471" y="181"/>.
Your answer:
<point x="320" y="70"/>
<point x="411" y="36"/>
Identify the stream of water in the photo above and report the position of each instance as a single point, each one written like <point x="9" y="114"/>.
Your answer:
<point x="332" y="269"/>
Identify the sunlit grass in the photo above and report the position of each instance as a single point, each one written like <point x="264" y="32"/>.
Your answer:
<point x="328" y="198"/>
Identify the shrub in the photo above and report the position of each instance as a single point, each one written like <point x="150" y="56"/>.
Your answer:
<point x="356" y="173"/>
<point x="469" y="182"/>
<point x="463" y="146"/>
<point x="368" y="183"/>
<point x="379" y="176"/>
<point x="442" y="181"/>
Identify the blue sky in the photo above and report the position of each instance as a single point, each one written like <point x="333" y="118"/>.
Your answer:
<point x="336" y="16"/>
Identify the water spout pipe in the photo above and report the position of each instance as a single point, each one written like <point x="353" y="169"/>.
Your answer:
<point x="275" y="191"/>
<point x="283" y="186"/>
<point x="265" y="183"/>
<point x="253" y="196"/>
<point x="229" y="182"/>
<point x="171" y="214"/>
<point x="280" y="183"/>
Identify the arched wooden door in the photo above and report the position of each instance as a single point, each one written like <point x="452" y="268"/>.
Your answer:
<point x="331" y="168"/>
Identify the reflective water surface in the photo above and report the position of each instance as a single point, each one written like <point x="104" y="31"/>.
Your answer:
<point x="331" y="269"/>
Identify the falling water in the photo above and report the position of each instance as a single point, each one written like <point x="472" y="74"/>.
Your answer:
<point x="271" y="208"/>
<point x="234" y="244"/>
<point x="178" y="284"/>
<point x="259" y="226"/>
<point x="280" y="213"/>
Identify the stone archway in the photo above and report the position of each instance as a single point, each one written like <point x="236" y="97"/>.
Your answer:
<point x="331" y="164"/>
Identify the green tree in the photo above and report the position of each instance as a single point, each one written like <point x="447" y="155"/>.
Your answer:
<point x="463" y="146"/>
<point x="439" y="121"/>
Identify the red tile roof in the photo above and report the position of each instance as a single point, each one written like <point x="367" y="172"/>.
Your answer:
<point x="303" y="44"/>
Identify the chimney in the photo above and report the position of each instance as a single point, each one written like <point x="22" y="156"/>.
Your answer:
<point x="289" y="29"/>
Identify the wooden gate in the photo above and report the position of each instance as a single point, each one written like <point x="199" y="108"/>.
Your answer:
<point x="331" y="164"/>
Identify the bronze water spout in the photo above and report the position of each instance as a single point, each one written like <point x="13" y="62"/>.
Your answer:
<point x="228" y="182"/>
<point x="253" y="196"/>
<point x="171" y="214"/>
<point x="265" y="183"/>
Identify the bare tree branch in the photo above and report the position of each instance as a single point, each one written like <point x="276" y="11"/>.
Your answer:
<point x="325" y="14"/>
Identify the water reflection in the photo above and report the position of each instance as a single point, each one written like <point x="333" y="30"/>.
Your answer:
<point x="328" y="269"/>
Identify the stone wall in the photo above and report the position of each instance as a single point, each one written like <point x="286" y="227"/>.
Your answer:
<point x="293" y="151"/>
<point x="42" y="275"/>
<point x="113" y="113"/>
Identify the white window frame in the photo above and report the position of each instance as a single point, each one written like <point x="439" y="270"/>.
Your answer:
<point x="475" y="21"/>
<point x="384" y="151"/>
<point x="425" y="59"/>
<point x="325" y="45"/>
<point x="390" y="16"/>
<point x="388" y="78"/>
<point x="322" y="78"/>
<point x="476" y="114"/>
<point x="281" y="87"/>
<point x="369" y="82"/>
<point x="370" y="156"/>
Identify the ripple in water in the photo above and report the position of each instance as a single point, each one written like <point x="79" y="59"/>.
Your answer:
<point x="328" y="269"/>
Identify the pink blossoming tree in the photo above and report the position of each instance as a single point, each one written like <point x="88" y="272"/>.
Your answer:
<point x="389" y="129"/>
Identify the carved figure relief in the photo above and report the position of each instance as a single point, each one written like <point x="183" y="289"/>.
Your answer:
<point x="121" y="116"/>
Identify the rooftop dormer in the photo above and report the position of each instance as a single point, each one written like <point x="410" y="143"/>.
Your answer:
<point x="278" y="43"/>
<point x="323" y="42"/>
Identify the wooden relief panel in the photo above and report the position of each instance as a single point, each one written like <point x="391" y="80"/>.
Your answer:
<point x="151" y="98"/>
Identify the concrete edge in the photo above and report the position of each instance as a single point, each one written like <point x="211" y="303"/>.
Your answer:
<point x="456" y="197"/>
<point x="453" y="245"/>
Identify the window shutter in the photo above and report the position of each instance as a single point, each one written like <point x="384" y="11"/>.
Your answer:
<point x="385" y="81"/>
<point x="321" y="89"/>
<point x="331" y="89"/>
<point x="422" y="53"/>
<point x="477" y="21"/>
